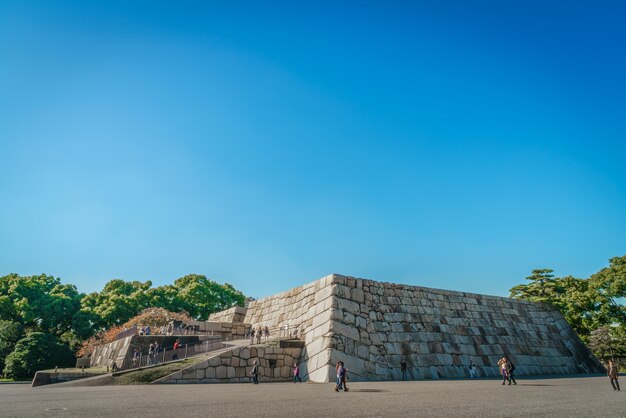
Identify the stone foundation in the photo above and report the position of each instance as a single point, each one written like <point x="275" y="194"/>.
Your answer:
<point x="374" y="326"/>
<point x="234" y="366"/>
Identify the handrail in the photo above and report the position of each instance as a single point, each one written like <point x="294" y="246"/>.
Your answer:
<point x="169" y="354"/>
<point x="281" y="332"/>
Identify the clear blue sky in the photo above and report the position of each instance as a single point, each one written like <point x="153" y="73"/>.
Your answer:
<point x="442" y="143"/>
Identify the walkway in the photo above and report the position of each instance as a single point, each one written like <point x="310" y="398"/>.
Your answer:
<point x="564" y="397"/>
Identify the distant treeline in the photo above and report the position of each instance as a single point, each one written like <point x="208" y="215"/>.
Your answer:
<point x="43" y="321"/>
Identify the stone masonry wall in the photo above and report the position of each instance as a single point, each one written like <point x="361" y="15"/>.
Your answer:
<point x="377" y="325"/>
<point x="235" y="314"/>
<point x="234" y="366"/>
<point x="308" y="310"/>
<point x="113" y="352"/>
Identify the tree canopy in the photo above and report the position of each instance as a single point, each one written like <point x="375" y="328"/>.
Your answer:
<point x="591" y="304"/>
<point x="42" y="304"/>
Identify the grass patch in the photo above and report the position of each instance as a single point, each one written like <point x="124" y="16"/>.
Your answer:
<point x="7" y="380"/>
<point x="144" y="377"/>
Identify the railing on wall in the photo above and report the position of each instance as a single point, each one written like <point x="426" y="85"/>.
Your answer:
<point x="164" y="355"/>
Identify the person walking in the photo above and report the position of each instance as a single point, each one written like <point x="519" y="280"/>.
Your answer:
<point x="150" y="354"/>
<point x="344" y="377"/>
<point x="255" y="373"/>
<point x="156" y="352"/>
<point x="502" y="366"/>
<point x="296" y="373"/>
<point x="267" y="333"/>
<point x="252" y="336"/>
<point x="259" y="334"/>
<point x="174" y="349"/>
<point x="613" y="372"/>
<point x="472" y="370"/>
<point x="403" y="369"/>
<point x="510" y="368"/>
<point x="339" y="384"/>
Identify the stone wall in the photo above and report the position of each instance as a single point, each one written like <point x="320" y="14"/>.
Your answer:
<point x="49" y="378"/>
<point x="375" y="326"/>
<point x="305" y="310"/>
<point x="234" y="366"/>
<point x="119" y="351"/>
<point x="235" y="314"/>
<point x="113" y="352"/>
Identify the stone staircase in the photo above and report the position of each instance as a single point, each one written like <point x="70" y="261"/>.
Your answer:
<point x="233" y="364"/>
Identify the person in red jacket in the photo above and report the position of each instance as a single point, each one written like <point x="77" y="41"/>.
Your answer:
<point x="176" y="346"/>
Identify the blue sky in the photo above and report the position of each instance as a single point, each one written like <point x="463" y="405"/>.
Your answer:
<point x="443" y="144"/>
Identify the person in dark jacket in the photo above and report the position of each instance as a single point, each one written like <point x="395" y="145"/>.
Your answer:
<point x="255" y="373"/>
<point x="510" y="368"/>
<point x="613" y="372"/>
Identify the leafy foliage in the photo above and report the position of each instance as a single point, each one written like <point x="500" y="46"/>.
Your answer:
<point x="35" y="352"/>
<point x="151" y="316"/>
<point x="587" y="304"/>
<point x="42" y="304"/>
<point x="608" y="342"/>
<point x="10" y="333"/>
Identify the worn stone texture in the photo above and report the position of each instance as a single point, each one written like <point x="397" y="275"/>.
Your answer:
<point x="231" y="367"/>
<point x="438" y="332"/>
<point x="374" y="326"/>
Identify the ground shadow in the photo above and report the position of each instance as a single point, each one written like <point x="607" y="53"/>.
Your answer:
<point x="368" y="390"/>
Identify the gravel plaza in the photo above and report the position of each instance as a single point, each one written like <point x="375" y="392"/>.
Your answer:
<point x="571" y="396"/>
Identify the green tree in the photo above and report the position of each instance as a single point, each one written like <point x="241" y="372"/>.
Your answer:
<point x="117" y="302"/>
<point x="10" y="333"/>
<point x="610" y="286"/>
<point x="35" y="352"/>
<point x="40" y="303"/>
<point x="200" y="296"/>
<point x="608" y="342"/>
<point x="586" y="304"/>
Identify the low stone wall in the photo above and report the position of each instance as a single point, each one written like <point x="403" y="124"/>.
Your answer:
<point x="49" y="378"/>
<point x="234" y="366"/>
<point x="233" y="315"/>
<point x="120" y="351"/>
<point x="113" y="352"/>
<point x="225" y="330"/>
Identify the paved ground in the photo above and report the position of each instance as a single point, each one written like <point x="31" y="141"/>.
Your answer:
<point x="562" y="397"/>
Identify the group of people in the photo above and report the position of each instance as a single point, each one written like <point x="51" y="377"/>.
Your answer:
<point x="505" y="365"/>
<point x="342" y="377"/>
<point x="166" y="330"/>
<point x="153" y="353"/>
<point x="506" y="370"/>
<point x="259" y="332"/>
<point x="255" y="373"/>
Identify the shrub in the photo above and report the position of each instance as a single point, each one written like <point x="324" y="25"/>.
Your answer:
<point x="10" y="333"/>
<point x="37" y="351"/>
